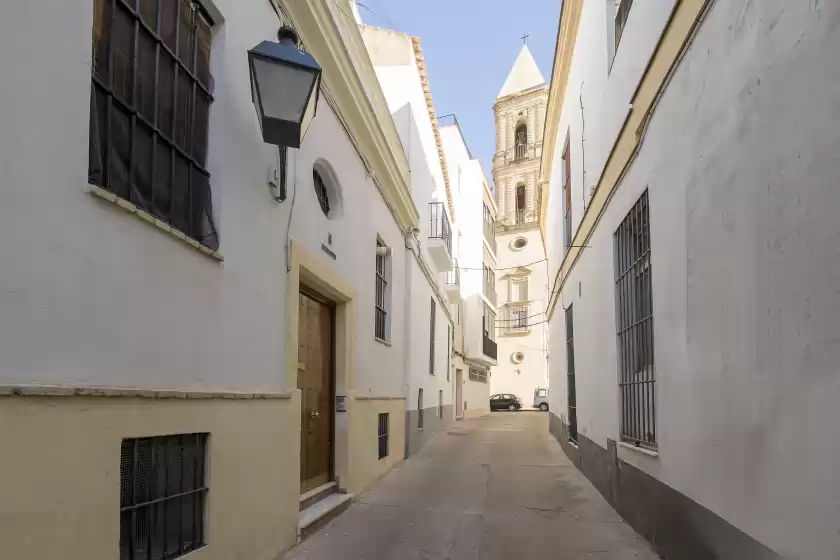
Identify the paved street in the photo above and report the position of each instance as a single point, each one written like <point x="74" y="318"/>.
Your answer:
<point x="493" y="488"/>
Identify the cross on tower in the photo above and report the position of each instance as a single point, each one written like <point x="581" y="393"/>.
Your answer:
<point x="525" y="38"/>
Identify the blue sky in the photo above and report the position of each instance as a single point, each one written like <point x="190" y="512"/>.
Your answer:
<point x="470" y="47"/>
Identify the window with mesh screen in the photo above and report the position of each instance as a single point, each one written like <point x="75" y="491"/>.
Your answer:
<point x="163" y="496"/>
<point x="151" y="92"/>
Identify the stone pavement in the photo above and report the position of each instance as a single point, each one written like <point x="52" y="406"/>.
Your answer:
<point x="491" y="488"/>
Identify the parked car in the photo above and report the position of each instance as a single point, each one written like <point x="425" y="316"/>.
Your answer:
<point x="541" y="398"/>
<point x="505" y="402"/>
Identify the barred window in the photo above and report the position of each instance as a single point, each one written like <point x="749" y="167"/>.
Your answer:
<point x="571" y="384"/>
<point x="383" y="434"/>
<point x="634" y="302"/>
<point x="420" y="409"/>
<point x="381" y="304"/>
<point x="622" y="12"/>
<point x="321" y="193"/>
<point x="478" y="374"/>
<point x="151" y="92"/>
<point x="162" y="496"/>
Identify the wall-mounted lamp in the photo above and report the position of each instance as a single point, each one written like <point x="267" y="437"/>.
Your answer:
<point x="284" y="87"/>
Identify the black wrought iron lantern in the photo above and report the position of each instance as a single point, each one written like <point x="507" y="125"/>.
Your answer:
<point x="284" y="87"/>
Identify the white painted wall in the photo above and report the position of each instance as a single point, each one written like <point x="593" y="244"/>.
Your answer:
<point x="91" y="295"/>
<point x="508" y="377"/>
<point x="740" y="162"/>
<point x="393" y="57"/>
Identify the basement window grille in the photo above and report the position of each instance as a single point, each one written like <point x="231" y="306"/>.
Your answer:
<point x="420" y="409"/>
<point x="570" y="374"/>
<point x="634" y="302"/>
<point x="151" y="92"/>
<point x="162" y="496"/>
<point x="383" y="434"/>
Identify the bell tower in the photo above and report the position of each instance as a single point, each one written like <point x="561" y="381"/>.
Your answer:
<point x="521" y="278"/>
<point x="520" y="117"/>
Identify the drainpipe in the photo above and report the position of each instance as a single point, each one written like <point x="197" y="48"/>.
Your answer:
<point x="410" y="238"/>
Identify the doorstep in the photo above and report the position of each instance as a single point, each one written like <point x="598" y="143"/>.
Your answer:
<point x="322" y="512"/>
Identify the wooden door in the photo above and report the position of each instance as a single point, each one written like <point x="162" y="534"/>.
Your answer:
<point x="315" y="381"/>
<point x="459" y="393"/>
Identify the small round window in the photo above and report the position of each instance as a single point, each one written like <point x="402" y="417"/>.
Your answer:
<point x="517" y="357"/>
<point x="321" y="192"/>
<point x="519" y="243"/>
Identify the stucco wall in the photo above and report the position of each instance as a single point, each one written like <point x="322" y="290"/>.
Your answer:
<point x="522" y="378"/>
<point x="365" y="465"/>
<point x="64" y="459"/>
<point x="186" y="321"/>
<point x="741" y="172"/>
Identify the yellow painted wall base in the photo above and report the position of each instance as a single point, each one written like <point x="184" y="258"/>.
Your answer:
<point x="365" y="465"/>
<point x="60" y="460"/>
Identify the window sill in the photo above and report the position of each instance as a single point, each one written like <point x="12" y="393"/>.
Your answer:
<point x="642" y="450"/>
<point x="160" y="224"/>
<point x="382" y="341"/>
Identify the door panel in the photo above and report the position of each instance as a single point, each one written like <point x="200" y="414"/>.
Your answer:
<point x="315" y="381"/>
<point x="459" y="393"/>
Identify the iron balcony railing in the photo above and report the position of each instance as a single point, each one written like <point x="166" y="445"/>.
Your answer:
<point x="520" y="152"/>
<point x="439" y="225"/>
<point x="490" y="348"/>
<point x="453" y="277"/>
<point x="490" y="229"/>
<point x="516" y="318"/>
<point x="490" y="285"/>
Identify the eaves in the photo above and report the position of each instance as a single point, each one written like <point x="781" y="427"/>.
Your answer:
<point x="346" y="69"/>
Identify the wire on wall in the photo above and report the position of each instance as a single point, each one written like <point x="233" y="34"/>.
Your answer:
<point x="291" y="213"/>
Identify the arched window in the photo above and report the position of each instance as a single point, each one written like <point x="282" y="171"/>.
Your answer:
<point x="321" y="192"/>
<point x="520" y="204"/>
<point x="521" y="141"/>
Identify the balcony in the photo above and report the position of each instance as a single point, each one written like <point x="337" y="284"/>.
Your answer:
<point x="452" y="280"/>
<point x="490" y="348"/>
<point x="520" y="152"/>
<point x="490" y="234"/>
<point x="440" y="237"/>
<point x="490" y="285"/>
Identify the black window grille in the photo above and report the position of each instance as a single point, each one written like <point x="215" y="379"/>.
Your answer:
<point x="162" y="496"/>
<point x="622" y="12"/>
<point x="151" y="93"/>
<point x="432" y="338"/>
<point x="420" y="409"/>
<point x="321" y="193"/>
<point x="570" y="374"/>
<point x="383" y="434"/>
<point x="477" y="374"/>
<point x="634" y="312"/>
<point x="381" y="313"/>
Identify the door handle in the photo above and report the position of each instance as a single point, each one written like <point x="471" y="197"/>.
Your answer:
<point x="314" y="413"/>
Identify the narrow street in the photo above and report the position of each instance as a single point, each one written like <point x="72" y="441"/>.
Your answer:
<point x="497" y="487"/>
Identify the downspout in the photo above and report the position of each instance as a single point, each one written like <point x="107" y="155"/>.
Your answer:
<point x="407" y="339"/>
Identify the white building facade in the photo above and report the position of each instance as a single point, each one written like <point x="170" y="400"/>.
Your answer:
<point x="400" y="70"/>
<point x="520" y="279"/>
<point x="473" y="310"/>
<point x="203" y="335"/>
<point x="691" y="231"/>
